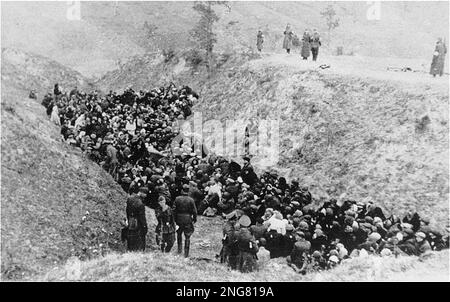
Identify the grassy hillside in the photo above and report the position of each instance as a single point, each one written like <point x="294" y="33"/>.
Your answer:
<point x="354" y="128"/>
<point x="109" y="32"/>
<point x="55" y="203"/>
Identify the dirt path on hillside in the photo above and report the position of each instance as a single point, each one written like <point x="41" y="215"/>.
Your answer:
<point x="363" y="67"/>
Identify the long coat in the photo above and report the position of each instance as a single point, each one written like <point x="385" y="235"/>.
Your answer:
<point x="288" y="36"/>
<point x="136" y="209"/>
<point x="437" y="64"/>
<point x="259" y="40"/>
<point x="306" y="45"/>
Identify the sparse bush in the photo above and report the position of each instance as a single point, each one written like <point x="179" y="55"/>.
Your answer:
<point x="9" y="108"/>
<point x="169" y="55"/>
<point x="222" y="59"/>
<point x="194" y="58"/>
<point x="422" y="123"/>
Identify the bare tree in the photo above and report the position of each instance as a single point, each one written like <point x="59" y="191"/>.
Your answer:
<point x="332" y="21"/>
<point x="203" y="33"/>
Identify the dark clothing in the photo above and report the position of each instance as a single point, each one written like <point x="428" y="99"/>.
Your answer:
<point x="184" y="210"/>
<point x="299" y="254"/>
<point x="258" y="231"/>
<point x="229" y="253"/>
<point x="248" y="175"/>
<point x="315" y="44"/>
<point x="306" y="46"/>
<point x="274" y="241"/>
<point x="288" y="241"/>
<point x="248" y="248"/>
<point x="196" y="195"/>
<point x="438" y="62"/>
<point x="414" y="220"/>
<point x="185" y="213"/>
<point x="136" y="211"/>
<point x="315" y="53"/>
<point x="259" y="41"/>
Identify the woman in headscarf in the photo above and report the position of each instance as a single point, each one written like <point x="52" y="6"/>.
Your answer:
<point x="306" y="44"/>
<point x="288" y="36"/>
<point x="55" y="115"/>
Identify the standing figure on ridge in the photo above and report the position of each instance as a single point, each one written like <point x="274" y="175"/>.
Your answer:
<point x="315" y="44"/>
<point x="288" y="36"/>
<point x="437" y="64"/>
<point x="306" y="44"/>
<point x="259" y="40"/>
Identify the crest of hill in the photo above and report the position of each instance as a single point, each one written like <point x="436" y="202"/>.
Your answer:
<point x="55" y="203"/>
<point x="111" y="31"/>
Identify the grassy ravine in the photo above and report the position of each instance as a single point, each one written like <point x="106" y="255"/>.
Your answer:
<point x="54" y="203"/>
<point x="156" y="266"/>
<point x="354" y="128"/>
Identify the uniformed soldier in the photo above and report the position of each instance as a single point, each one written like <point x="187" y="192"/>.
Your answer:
<point x="185" y="213"/>
<point x="247" y="246"/>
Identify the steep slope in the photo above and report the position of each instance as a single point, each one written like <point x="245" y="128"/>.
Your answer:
<point x="110" y="31"/>
<point x="54" y="202"/>
<point x="354" y="128"/>
<point x="26" y="71"/>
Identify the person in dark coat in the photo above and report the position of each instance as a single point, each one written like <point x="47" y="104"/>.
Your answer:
<point x="413" y="219"/>
<point x="288" y="37"/>
<point x="259" y="229"/>
<point x="274" y="243"/>
<point x="165" y="230"/>
<point x="437" y="64"/>
<point x="315" y="44"/>
<point x="57" y="90"/>
<point x="137" y="223"/>
<point x="306" y="44"/>
<point x="299" y="257"/>
<point x="247" y="172"/>
<point x="195" y="193"/>
<point x="259" y="40"/>
<point x="288" y="241"/>
<point x="185" y="213"/>
<point x="247" y="246"/>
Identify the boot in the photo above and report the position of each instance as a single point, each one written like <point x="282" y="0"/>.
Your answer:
<point x="186" y="248"/>
<point x="180" y="243"/>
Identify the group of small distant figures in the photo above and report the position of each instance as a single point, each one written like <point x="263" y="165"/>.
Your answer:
<point x="310" y="42"/>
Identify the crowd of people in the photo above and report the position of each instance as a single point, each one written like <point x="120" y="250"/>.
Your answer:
<point x="265" y="216"/>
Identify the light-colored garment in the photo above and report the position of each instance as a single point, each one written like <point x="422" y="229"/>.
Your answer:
<point x="80" y="121"/>
<point x="130" y="127"/>
<point x="215" y="189"/>
<point x="55" y="116"/>
<point x="263" y="257"/>
<point x="288" y="36"/>
<point x="277" y="225"/>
